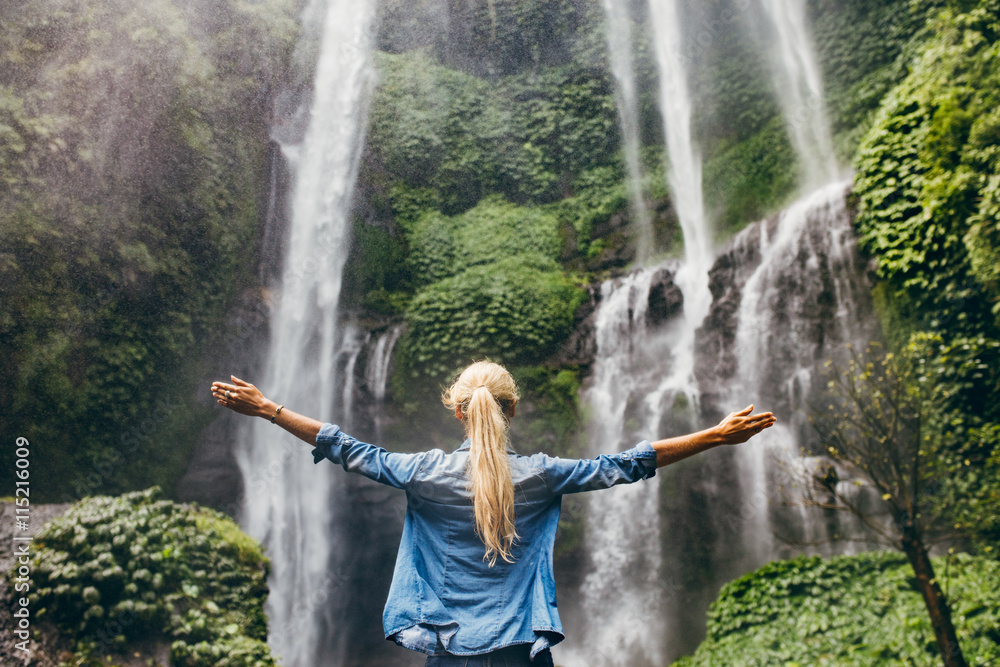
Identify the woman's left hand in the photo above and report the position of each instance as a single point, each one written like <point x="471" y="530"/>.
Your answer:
<point x="241" y="397"/>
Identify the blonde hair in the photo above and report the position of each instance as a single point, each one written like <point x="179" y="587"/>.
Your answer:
<point x="485" y="391"/>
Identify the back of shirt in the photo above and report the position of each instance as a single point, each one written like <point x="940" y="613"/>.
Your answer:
<point x="445" y="597"/>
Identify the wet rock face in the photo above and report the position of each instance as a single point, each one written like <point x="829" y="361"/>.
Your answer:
<point x="581" y="345"/>
<point x="665" y="299"/>
<point x="715" y="349"/>
<point x="212" y="477"/>
<point x="789" y="293"/>
<point x="665" y="302"/>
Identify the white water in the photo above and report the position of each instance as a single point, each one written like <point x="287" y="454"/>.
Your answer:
<point x="286" y="496"/>
<point x="621" y="595"/>
<point x="684" y="176"/>
<point x="351" y="346"/>
<point x="799" y="85"/>
<point x="621" y="605"/>
<point x="808" y="259"/>
<point x="377" y="372"/>
<point x="618" y="30"/>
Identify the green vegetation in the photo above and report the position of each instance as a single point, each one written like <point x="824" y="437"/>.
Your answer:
<point x="490" y="286"/>
<point x="464" y="138"/>
<point x="849" y="611"/>
<point x="866" y="48"/>
<point x="926" y="193"/>
<point x="752" y="178"/>
<point x="132" y="155"/>
<point x="117" y="569"/>
<point x="888" y="425"/>
<point x="927" y="178"/>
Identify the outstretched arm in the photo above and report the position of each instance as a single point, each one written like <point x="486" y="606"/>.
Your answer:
<point x="246" y="399"/>
<point x="737" y="427"/>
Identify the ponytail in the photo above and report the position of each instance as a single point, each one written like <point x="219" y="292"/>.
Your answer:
<point x="484" y="391"/>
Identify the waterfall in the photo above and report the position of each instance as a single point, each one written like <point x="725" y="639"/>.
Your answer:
<point x="619" y="598"/>
<point x="351" y="347"/>
<point x="803" y="303"/>
<point x="648" y="369"/>
<point x="684" y="175"/>
<point x="287" y="502"/>
<point x="618" y="30"/>
<point x="800" y="89"/>
<point x="377" y="372"/>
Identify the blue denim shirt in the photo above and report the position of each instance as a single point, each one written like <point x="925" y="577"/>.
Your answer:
<point x="444" y="598"/>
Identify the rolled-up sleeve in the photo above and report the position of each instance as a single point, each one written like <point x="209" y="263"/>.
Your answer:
<point x="374" y="462"/>
<point x="576" y="475"/>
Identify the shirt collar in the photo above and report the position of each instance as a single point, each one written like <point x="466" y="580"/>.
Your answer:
<point x="468" y="443"/>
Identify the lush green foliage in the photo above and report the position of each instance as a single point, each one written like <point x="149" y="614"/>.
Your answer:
<point x="849" y="610"/>
<point x="130" y="166"/>
<point x="376" y="275"/>
<point x="748" y="180"/>
<point x="927" y="190"/>
<point x="511" y="311"/>
<point x="116" y="569"/>
<point x="490" y="285"/>
<point x="866" y="48"/>
<point x="464" y="138"/>
<point x="442" y="246"/>
<point x="927" y="172"/>
<point x="492" y="38"/>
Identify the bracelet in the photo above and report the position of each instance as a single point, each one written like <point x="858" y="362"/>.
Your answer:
<point x="276" y="413"/>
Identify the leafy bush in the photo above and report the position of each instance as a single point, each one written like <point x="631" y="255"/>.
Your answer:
<point x="494" y="230"/>
<point x="849" y="610"/>
<point x="116" y="569"/>
<point x="925" y="177"/>
<point x="512" y="311"/>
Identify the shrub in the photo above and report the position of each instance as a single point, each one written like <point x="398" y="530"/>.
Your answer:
<point x="116" y="569"/>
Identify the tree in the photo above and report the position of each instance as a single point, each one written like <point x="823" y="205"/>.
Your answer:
<point x="888" y="429"/>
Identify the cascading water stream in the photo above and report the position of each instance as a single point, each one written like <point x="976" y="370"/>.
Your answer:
<point x="804" y="301"/>
<point x="625" y="623"/>
<point x="377" y="372"/>
<point x="351" y="347"/>
<point x="684" y="175"/>
<point x="286" y="502"/>
<point x="619" y="598"/>
<point x="800" y="90"/>
<point x="618" y="30"/>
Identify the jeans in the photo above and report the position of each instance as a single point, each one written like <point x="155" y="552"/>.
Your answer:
<point x="512" y="656"/>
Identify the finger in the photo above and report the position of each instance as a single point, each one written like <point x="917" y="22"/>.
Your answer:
<point x="239" y="381"/>
<point x="222" y="386"/>
<point x="765" y="417"/>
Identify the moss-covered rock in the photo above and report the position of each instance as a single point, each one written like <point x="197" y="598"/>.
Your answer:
<point x="115" y="571"/>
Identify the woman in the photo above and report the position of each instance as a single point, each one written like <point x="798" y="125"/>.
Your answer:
<point x="473" y="583"/>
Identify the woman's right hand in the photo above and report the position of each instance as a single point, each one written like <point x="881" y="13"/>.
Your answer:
<point x="740" y="426"/>
<point x="242" y="397"/>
